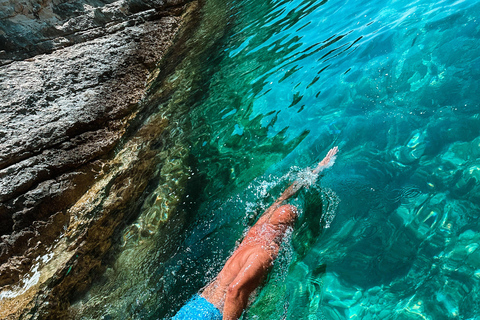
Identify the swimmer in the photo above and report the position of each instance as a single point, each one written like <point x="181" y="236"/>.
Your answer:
<point x="227" y="295"/>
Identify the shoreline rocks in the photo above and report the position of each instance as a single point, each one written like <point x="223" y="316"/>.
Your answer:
<point x="33" y="27"/>
<point x="68" y="109"/>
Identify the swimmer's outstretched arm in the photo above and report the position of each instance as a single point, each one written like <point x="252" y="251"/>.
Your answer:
<point x="297" y="185"/>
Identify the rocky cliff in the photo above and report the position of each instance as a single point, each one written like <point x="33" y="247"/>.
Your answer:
<point x="75" y="136"/>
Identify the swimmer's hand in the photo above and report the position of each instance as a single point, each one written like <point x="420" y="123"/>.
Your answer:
<point x="298" y="184"/>
<point x="328" y="161"/>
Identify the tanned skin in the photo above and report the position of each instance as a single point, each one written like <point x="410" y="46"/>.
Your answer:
<point x="252" y="260"/>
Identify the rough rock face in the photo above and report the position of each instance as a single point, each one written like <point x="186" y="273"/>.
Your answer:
<point x="32" y="27"/>
<point x="72" y="76"/>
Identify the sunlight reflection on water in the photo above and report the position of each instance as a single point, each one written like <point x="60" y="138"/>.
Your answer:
<point x="392" y="230"/>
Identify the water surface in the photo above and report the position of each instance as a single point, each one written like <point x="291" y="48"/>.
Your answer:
<point x="392" y="230"/>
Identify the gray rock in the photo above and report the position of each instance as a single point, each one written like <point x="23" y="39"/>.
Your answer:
<point x="72" y="74"/>
<point x="32" y="27"/>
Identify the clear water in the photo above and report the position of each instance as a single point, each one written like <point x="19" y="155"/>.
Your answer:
<point x="392" y="231"/>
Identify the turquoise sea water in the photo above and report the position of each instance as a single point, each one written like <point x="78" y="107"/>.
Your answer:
<point x="392" y="231"/>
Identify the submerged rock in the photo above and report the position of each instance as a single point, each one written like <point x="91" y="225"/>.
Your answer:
<point x="75" y="141"/>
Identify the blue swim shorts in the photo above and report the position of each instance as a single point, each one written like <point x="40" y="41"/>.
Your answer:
<point x="198" y="308"/>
